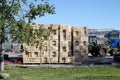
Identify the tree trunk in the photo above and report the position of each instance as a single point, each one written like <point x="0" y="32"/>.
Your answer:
<point x="31" y="57"/>
<point x="49" y="53"/>
<point x="41" y="57"/>
<point x="1" y="57"/>
<point x="41" y="53"/>
<point x="2" y="64"/>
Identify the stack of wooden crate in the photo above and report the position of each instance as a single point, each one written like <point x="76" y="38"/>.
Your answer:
<point x="65" y="44"/>
<point x="46" y="47"/>
<point x="79" y="38"/>
<point x="54" y="43"/>
<point x="32" y="54"/>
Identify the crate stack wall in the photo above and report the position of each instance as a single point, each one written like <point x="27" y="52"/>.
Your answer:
<point x="65" y="44"/>
<point x="46" y="46"/>
<point x="32" y="54"/>
<point x="79" y="41"/>
<point x="54" y="43"/>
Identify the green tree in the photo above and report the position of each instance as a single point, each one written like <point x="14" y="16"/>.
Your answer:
<point x="17" y="16"/>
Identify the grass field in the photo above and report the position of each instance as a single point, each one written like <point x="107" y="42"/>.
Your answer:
<point x="76" y="73"/>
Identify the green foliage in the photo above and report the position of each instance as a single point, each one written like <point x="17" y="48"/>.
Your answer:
<point x="18" y="14"/>
<point x="41" y="35"/>
<point x="40" y="10"/>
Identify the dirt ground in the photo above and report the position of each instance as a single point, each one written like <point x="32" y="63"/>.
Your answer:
<point x="90" y="61"/>
<point x="107" y="60"/>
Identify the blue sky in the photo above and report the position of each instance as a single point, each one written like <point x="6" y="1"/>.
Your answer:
<point x="95" y="14"/>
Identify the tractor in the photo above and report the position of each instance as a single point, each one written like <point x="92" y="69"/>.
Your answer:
<point x="97" y="46"/>
<point x="111" y="46"/>
<point x="97" y="49"/>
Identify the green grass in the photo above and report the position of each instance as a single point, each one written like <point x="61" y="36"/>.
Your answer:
<point x="76" y="73"/>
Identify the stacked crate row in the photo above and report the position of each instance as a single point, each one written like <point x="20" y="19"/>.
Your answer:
<point x="31" y="53"/>
<point x="65" y="44"/>
<point x="50" y="48"/>
<point x="79" y="38"/>
<point x="46" y="48"/>
<point x="54" y="43"/>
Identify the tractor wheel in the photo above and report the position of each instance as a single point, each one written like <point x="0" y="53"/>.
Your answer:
<point x="102" y="52"/>
<point x="111" y="52"/>
<point x="93" y="51"/>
